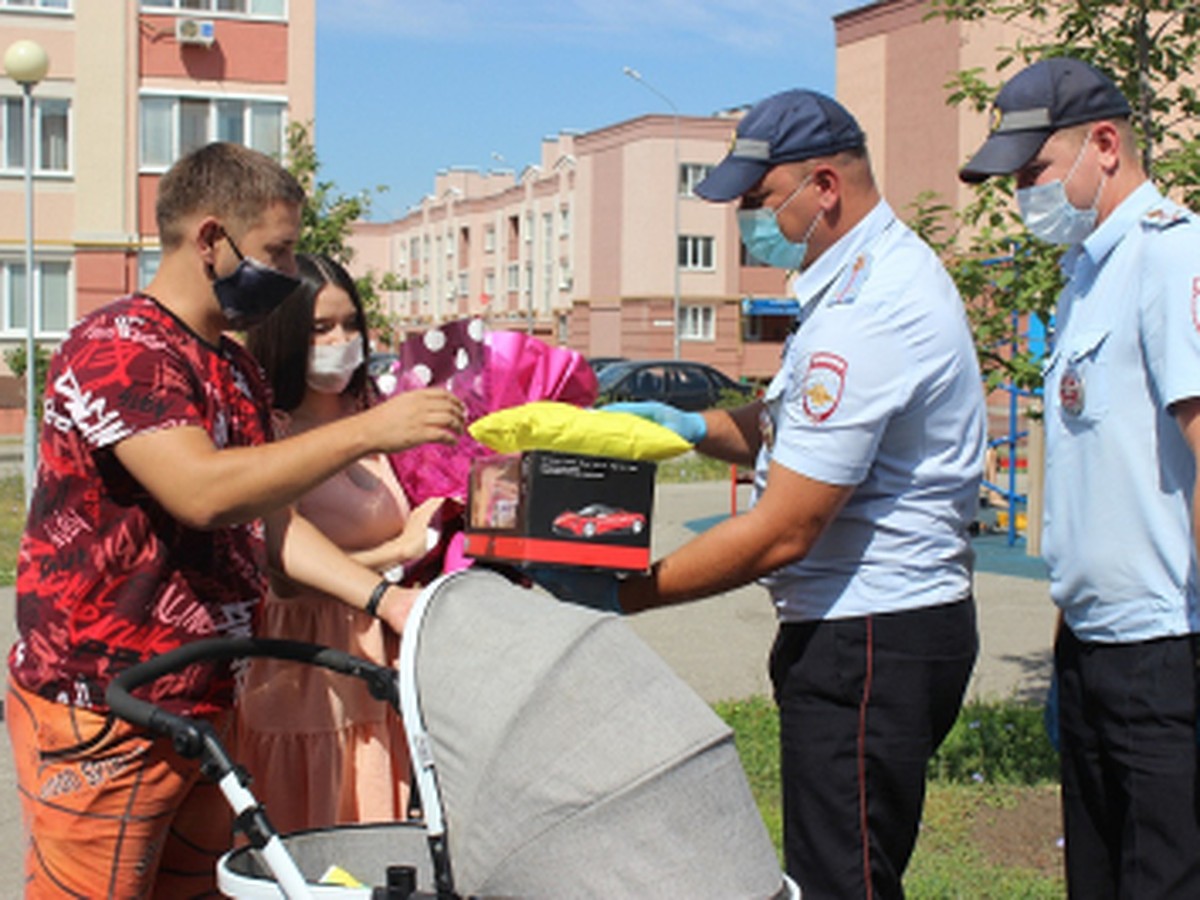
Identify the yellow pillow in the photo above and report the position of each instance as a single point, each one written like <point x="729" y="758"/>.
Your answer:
<point x="549" y="425"/>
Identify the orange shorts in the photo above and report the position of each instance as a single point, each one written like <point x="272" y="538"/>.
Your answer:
<point x="108" y="812"/>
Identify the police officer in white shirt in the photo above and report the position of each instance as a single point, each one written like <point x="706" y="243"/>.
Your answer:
<point x="868" y="448"/>
<point x="1122" y="388"/>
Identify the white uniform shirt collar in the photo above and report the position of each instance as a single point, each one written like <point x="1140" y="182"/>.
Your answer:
<point x="1097" y="245"/>
<point x="811" y="284"/>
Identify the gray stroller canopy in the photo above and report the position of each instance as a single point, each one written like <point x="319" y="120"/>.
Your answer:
<point x="570" y="761"/>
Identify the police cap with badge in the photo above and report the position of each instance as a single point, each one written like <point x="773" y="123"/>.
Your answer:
<point x="1039" y="100"/>
<point x="786" y="127"/>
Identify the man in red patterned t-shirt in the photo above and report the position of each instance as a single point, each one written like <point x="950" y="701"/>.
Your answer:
<point x="146" y="531"/>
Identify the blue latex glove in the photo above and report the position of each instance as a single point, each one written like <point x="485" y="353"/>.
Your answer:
<point x="688" y="425"/>
<point x="584" y="587"/>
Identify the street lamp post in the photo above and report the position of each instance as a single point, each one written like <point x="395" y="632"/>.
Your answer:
<point x="637" y="76"/>
<point x="26" y="63"/>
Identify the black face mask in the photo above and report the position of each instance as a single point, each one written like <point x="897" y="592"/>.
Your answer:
<point x="249" y="293"/>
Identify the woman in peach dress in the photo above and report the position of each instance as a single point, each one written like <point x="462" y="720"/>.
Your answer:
<point x="320" y="749"/>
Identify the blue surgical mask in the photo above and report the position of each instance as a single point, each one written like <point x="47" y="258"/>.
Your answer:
<point x="1050" y="216"/>
<point x="251" y="291"/>
<point x="760" y="233"/>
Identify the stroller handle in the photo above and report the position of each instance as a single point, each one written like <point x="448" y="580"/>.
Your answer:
<point x="380" y="681"/>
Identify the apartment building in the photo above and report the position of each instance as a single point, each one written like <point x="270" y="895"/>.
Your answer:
<point x="893" y="67"/>
<point x="583" y="248"/>
<point x="132" y="86"/>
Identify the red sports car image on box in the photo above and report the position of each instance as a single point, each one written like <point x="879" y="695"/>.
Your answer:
<point x="596" y="519"/>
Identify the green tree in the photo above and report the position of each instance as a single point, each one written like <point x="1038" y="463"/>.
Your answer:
<point x="326" y="222"/>
<point x="1004" y="275"/>
<point x="15" y="359"/>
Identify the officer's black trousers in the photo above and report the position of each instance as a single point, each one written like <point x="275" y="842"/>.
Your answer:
<point x="863" y="705"/>
<point x="1127" y="720"/>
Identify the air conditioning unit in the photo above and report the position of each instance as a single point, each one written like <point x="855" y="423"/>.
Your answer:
<point x="195" y="31"/>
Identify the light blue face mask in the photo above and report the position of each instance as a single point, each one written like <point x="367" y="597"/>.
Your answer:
<point x="760" y="233"/>
<point x="1050" y="216"/>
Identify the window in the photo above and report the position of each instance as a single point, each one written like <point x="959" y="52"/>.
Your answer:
<point x="267" y="9"/>
<point x="695" y="252"/>
<point x="528" y="227"/>
<point x="148" y="261"/>
<point x="36" y="4"/>
<point x="464" y="286"/>
<point x="696" y="323"/>
<point x="51" y="135"/>
<point x="489" y="283"/>
<point x="690" y="175"/>
<point x="514" y="277"/>
<point x="489" y="239"/>
<point x="51" y="297"/>
<point x="174" y="126"/>
<point x="564" y="221"/>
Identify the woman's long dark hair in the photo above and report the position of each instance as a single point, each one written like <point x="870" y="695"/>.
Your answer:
<point x="282" y="341"/>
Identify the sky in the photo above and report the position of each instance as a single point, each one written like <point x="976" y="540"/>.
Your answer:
<point x="406" y="88"/>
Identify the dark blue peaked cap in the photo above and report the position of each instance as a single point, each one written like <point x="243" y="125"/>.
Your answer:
<point x="1048" y="95"/>
<point x="786" y="127"/>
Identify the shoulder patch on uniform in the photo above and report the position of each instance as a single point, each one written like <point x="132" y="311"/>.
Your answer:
<point x="823" y="384"/>
<point x="851" y="281"/>
<point x="1162" y="217"/>
<point x="1196" y="303"/>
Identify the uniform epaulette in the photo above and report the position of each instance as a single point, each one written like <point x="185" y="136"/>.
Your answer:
<point x="1163" y="217"/>
<point x="846" y="290"/>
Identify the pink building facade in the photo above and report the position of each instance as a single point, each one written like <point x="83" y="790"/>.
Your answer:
<point x="582" y="249"/>
<point x="132" y="86"/>
<point x="893" y="65"/>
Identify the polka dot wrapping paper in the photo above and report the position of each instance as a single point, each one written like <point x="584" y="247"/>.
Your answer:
<point x="488" y="370"/>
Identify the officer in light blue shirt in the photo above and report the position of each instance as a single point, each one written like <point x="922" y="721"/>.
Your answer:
<point x="880" y="389"/>
<point x="868" y="448"/>
<point x="1122" y="388"/>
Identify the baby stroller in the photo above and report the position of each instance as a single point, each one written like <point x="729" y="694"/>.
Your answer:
<point x="556" y="756"/>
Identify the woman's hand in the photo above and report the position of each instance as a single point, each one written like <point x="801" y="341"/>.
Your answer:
<point x="395" y="606"/>
<point x="409" y="545"/>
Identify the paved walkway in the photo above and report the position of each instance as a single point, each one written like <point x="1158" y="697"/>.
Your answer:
<point x="719" y="646"/>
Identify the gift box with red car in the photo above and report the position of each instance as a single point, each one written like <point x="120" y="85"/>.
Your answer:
<point x="561" y="509"/>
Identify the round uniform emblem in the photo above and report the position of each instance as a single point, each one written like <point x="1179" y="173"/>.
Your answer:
<point x="1070" y="391"/>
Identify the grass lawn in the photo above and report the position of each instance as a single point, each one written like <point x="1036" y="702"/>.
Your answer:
<point x="977" y="839"/>
<point x="12" y="521"/>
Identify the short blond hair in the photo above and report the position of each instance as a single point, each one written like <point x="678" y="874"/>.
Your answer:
<point x="229" y="181"/>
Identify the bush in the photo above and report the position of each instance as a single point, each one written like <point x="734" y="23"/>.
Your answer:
<point x="996" y="742"/>
<point x="15" y="359"/>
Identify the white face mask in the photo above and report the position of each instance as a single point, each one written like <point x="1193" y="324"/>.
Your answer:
<point x="1050" y="216"/>
<point x="331" y="366"/>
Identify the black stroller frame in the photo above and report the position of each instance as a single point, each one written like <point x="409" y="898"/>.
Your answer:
<point x="196" y="739"/>
<point x="575" y="761"/>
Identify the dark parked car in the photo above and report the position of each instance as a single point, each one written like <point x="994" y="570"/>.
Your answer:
<point x="600" y="362"/>
<point x="685" y="385"/>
